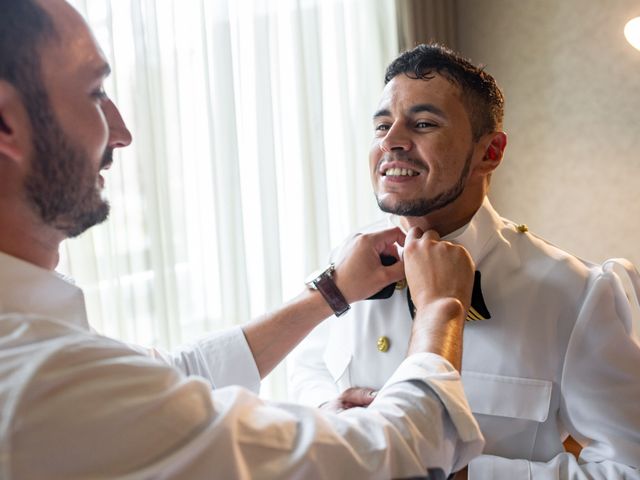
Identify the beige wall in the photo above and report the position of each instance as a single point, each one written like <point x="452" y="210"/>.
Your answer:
<point x="572" y="84"/>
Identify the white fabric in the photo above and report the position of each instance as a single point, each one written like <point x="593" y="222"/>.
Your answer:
<point x="558" y="356"/>
<point x="240" y="111"/>
<point x="630" y="278"/>
<point x="32" y="291"/>
<point x="76" y="405"/>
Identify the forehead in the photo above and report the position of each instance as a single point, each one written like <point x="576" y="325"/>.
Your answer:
<point x="403" y="92"/>
<point x="75" y="54"/>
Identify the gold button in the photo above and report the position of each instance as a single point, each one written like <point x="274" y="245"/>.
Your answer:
<point x="402" y="284"/>
<point x="383" y="344"/>
<point x="522" y="228"/>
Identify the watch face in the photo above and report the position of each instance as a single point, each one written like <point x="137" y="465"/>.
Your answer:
<point x="313" y="276"/>
<point x="317" y="274"/>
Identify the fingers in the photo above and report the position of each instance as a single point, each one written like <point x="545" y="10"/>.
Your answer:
<point x="436" y="269"/>
<point x="359" y="270"/>
<point x="358" y="396"/>
<point x="416" y="233"/>
<point x="351" y="397"/>
<point x="385" y="239"/>
<point x="413" y="234"/>
<point x="390" y="239"/>
<point x="395" y="272"/>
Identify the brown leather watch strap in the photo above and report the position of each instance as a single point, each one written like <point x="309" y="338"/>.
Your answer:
<point x="329" y="290"/>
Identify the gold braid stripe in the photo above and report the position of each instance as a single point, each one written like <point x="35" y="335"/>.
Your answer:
<point x="474" y="315"/>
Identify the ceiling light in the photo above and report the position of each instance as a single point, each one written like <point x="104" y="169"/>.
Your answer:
<point x="632" y="32"/>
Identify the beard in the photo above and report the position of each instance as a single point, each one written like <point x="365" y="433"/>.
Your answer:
<point x="424" y="206"/>
<point x="62" y="186"/>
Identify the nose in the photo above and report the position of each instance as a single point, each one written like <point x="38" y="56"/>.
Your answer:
<point x="397" y="138"/>
<point x="119" y="134"/>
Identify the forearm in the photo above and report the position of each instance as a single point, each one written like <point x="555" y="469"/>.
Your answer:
<point x="358" y="274"/>
<point x="437" y="328"/>
<point x="272" y="336"/>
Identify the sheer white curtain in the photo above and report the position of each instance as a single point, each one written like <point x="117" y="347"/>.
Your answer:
<point x="251" y="123"/>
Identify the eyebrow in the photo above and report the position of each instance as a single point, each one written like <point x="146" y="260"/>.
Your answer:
<point x="421" y="107"/>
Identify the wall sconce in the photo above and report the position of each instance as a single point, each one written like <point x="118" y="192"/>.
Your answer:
<point x="632" y="32"/>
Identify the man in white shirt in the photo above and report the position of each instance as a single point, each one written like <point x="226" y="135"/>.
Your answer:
<point x="550" y="348"/>
<point x="76" y="405"/>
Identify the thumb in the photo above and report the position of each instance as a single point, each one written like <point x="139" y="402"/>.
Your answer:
<point x="395" y="272"/>
<point x="432" y="235"/>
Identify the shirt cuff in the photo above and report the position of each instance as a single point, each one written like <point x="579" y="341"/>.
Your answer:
<point x="445" y="381"/>
<point x="230" y="360"/>
<point x="498" y="468"/>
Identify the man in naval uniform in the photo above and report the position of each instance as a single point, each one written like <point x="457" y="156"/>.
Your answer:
<point x="549" y="348"/>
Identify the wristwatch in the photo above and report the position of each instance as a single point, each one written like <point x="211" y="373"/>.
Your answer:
<point x="322" y="280"/>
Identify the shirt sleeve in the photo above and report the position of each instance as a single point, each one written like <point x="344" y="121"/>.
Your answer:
<point x="600" y="395"/>
<point x="222" y="358"/>
<point x="98" y="410"/>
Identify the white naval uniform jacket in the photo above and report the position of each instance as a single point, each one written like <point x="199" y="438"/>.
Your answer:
<point x="557" y="357"/>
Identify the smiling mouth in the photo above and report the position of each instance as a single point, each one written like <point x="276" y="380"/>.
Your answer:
<point x="400" y="172"/>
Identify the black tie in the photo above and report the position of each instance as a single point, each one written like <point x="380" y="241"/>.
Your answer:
<point x="477" y="311"/>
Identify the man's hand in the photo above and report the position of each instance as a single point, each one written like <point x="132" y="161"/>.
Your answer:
<point x="440" y="275"/>
<point x="359" y="271"/>
<point x="351" y="397"/>
<point x="436" y="269"/>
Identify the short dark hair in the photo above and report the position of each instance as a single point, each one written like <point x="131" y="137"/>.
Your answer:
<point x="24" y="27"/>
<point x="480" y="93"/>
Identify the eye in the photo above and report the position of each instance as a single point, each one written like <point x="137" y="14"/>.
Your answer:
<point x="382" y="127"/>
<point x="425" y="124"/>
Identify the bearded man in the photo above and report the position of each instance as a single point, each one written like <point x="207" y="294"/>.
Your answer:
<point x="77" y="405"/>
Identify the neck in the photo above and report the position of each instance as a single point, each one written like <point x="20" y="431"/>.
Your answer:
<point x="24" y="238"/>
<point x="448" y="219"/>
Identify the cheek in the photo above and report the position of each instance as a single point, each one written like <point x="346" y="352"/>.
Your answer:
<point x="96" y="133"/>
<point x="374" y="155"/>
<point x="374" y="160"/>
<point x="443" y="154"/>
<point x="87" y="127"/>
<point x="104" y="133"/>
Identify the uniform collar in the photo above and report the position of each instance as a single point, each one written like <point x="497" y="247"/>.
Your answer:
<point x="28" y="289"/>
<point x="478" y="235"/>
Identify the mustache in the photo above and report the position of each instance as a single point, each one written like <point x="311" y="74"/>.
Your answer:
<point x="107" y="158"/>
<point x="403" y="156"/>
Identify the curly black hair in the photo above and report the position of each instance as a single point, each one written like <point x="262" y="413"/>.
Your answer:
<point x="481" y="95"/>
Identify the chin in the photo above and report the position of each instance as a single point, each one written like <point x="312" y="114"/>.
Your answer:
<point x="80" y="221"/>
<point x="396" y="207"/>
<point x="411" y="208"/>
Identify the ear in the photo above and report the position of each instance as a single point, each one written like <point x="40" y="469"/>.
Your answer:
<point x="491" y="147"/>
<point x="14" y="124"/>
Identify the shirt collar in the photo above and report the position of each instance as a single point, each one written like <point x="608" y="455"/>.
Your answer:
<point x="28" y="289"/>
<point x="478" y="235"/>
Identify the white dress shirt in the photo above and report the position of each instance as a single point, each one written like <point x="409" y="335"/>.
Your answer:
<point x="77" y="405"/>
<point x="558" y="356"/>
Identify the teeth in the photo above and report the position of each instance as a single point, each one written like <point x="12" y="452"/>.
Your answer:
<point x="400" y="172"/>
